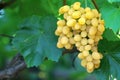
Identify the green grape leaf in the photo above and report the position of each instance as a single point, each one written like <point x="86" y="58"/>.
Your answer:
<point x="111" y="1"/>
<point x="41" y="7"/>
<point x="109" y="46"/>
<point x="36" y="40"/>
<point x="111" y="16"/>
<point x="84" y="3"/>
<point x="110" y="35"/>
<point x="109" y="67"/>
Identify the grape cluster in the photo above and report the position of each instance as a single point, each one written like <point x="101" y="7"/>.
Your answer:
<point x="82" y="28"/>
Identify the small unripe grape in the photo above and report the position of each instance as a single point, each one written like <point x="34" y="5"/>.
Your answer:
<point x="71" y="22"/>
<point x="90" y="65"/>
<point x="80" y="56"/>
<point x="88" y="47"/>
<point x="77" y="44"/>
<point x="72" y="41"/>
<point x="76" y="6"/>
<point x="68" y="46"/>
<point x="89" y="15"/>
<point x="81" y="48"/>
<point x="89" y="58"/>
<point x="101" y="28"/>
<point x="96" y="61"/>
<point x="64" y="40"/>
<point x="77" y="37"/>
<point x="96" y="55"/>
<point x="61" y="22"/>
<point x="94" y="22"/>
<point x="76" y="14"/>
<point x="59" y="45"/>
<point x="66" y="30"/>
<point x="83" y="34"/>
<point x="83" y="63"/>
<point x="92" y="31"/>
<point x="85" y="53"/>
<point x="64" y="9"/>
<point x="90" y="41"/>
<point x="81" y="21"/>
<point x="84" y="41"/>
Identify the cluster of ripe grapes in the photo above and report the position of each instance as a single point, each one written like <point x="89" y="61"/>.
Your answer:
<point x="82" y="28"/>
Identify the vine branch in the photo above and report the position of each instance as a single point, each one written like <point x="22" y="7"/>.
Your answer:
<point x="66" y="51"/>
<point x="64" y="2"/>
<point x="16" y="65"/>
<point x="5" y="35"/>
<point x="5" y="4"/>
<point x="94" y="3"/>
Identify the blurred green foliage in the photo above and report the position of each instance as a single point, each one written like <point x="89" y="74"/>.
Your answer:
<point x="66" y="68"/>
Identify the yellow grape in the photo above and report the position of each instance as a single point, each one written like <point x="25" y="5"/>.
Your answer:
<point x="61" y="23"/>
<point x="80" y="56"/>
<point x="77" y="26"/>
<point x="64" y="40"/>
<point x="96" y="55"/>
<point x="76" y="14"/>
<point x="81" y="48"/>
<point x="101" y="28"/>
<point x="81" y="21"/>
<point x="85" y="53"/>
<point x="84" y="41"/>
<point x="84" y="63"/>
<point x="76" y="6"/>
<point x="89" y="15"/>
<point x="89" y="58"/>
<point x="90" y="70"/>
<point x="77" y="37"/>
<point x="92" y="31"/>
<point x="68" y="46"/>
<point x="71" y="40"/>
<point x="65" y="30"/>
<point x="64" y="9"/>
<point x="83" y="34"/>
<point x="59" y="45"/>
<point x="90" y="65"/>
<point x="94" y="22"/>
<point x="71" y="22"/>
<point x="88" y="47"/>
